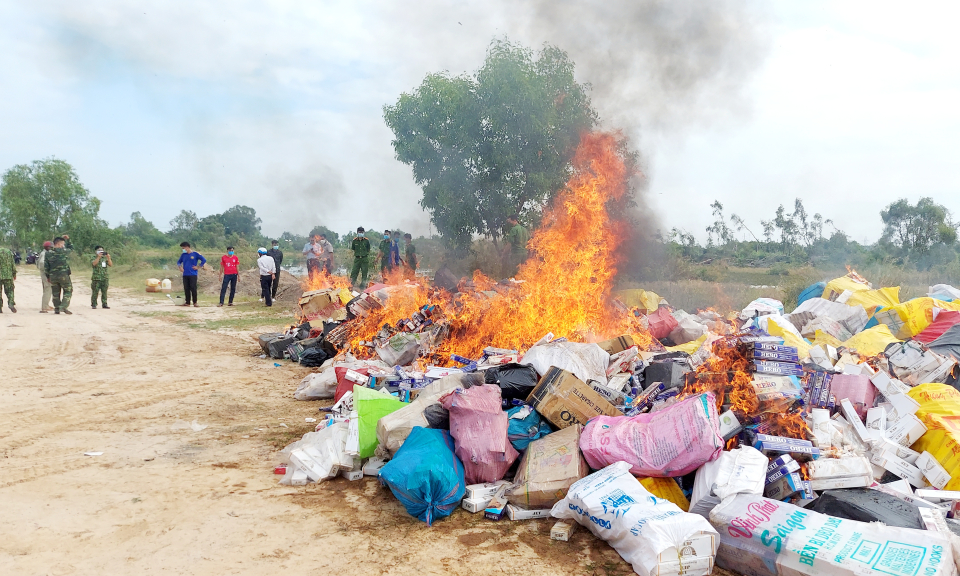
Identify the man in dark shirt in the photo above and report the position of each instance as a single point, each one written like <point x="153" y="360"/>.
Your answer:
<point x="277" y="256"/>
<point x="411" y="254"/>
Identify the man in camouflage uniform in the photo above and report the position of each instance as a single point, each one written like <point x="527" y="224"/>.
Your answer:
<point x="8" y="273"/>
<point x="101" y="277"/>
<point x="56" y="267"/>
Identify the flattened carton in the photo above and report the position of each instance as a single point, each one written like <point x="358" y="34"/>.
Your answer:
<point x="565" y="400"/>
<point x="763" y="537"/>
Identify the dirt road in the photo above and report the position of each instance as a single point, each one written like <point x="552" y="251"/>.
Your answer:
<point x="165" y="499"/>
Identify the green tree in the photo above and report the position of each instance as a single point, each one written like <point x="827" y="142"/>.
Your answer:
<point x="917" y="229"/>
<point x="144" y="231"/>
<point x="492" y="144"/>
<point x="184" y="224"/>
<point x="240" y="220"/>
<point x="44" y="198"/>
<point x="332" y="236"/>
<point x="719" y="232"/>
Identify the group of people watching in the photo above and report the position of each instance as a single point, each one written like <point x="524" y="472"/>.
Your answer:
<point x="53" y="263"/>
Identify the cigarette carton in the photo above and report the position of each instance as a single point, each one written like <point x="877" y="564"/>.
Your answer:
<point x="770" y="347"/>
<point x="497" y="505"/>
<point x="777" y="368"/>
<point x="474" y="505"/>
<point x="876" y="422"/>
<point x="700" y="545"/>
<point x="779" y="462"/>
<point x="900" y="468"/>
<point x="789" y="468"/>
<point x="932" y="470"/>
<point x="486" y="490"/>
<point x="854" y="419"/>
<point x="729" y="425"/>
<point x="518" y="513"/>
<point x="563" y="531"/>
<point x="692" y="567"/>
<point x="907" y="430"/>
<point x="776" y="356"/>
<point x="784" y="487"/>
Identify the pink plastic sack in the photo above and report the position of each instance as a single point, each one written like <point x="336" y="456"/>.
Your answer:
<point x="856" y="388"/>
<point x="479" y="426"/>
<point x="670" y="442"/>
<point x="661" y="323"/>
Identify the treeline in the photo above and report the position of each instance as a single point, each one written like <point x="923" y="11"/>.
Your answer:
<point x="919" y="236"/>
<point x="45" y="198"/>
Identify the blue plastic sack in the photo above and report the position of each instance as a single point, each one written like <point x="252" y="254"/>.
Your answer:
<point x="811" y="291"/>
<point x="425" y="475"/>
<point x="522" y="431"/>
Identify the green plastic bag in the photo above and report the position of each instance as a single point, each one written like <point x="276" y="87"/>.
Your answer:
<point x="371" y="406"/>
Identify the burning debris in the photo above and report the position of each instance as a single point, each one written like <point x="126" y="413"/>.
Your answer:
<point x="749" y="412"/>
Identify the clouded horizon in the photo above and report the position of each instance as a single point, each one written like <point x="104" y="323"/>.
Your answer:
<point x="164" y="106"/>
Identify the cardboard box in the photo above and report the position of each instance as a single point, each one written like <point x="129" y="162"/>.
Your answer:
<point x="474" y="505"/>
<point x="900" y="451"/>
<point x="932" y="470"/>
<point x="518" y="513"/>
<point x="729" y="425"/>
<point x="320" y="303"/>
<point x="548" y="468"/>
<point x="784" y="487"/>
<point x="562" y="531"/>
<point x="565" y="400"/>
<point x="618" y="344"/>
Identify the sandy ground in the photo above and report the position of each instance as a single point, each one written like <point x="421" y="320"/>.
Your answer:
<point x="165" y="499"/>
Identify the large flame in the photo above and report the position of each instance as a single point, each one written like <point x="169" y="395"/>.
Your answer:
<point x="564" y="287"/>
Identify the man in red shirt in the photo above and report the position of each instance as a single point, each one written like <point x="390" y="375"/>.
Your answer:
<point x="228" y="274"/>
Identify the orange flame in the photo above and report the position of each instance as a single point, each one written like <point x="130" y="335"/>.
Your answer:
<point x="564" y="287"/>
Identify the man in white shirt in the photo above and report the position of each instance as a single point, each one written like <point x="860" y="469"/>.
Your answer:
<point x="312" y="251"/>
<point x="326" y="254"/>
<point x="268" y="269"/>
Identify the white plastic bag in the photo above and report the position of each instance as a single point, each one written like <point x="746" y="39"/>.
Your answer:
<point x="740" y="471"/>
<point x="320" y="455"/>
<point x="688" y="329"/>
<point x="587" y="362"/>
<point x="764" y="537"/>
<point x="614" y="506"/>
<point x="317" y="386"/>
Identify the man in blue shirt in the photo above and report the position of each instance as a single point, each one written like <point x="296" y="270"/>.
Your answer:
<point x="188" y="264"/>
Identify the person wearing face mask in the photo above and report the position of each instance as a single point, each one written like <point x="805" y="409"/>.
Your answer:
<point x="189" y="263"/>
<point x="361" y="259"/>
<point x="384" y="256"/>
<point x="277" y="256"/>
<point x="229" y="273"/>
<point x="101" y="277"/>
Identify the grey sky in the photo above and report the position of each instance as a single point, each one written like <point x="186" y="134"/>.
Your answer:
<point x="202" y="105"/>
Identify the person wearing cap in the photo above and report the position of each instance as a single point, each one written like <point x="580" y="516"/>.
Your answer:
<point x="361" y="258"/>
<point x="268" y="270"/>
<point x="47" y="291"/>
<point x="100" y="280"/>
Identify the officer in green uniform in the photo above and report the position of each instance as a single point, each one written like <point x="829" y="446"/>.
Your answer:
<point x="361" y="259"/>
<point x="516" y="249"/>
<point x="384" y="256"/>
<point x="411" y="256"/>
<point x="8" y="273"/>
<point x="101" y="277"/>
<point x="56" y="267"/>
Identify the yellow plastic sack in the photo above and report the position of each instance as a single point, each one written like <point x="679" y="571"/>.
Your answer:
<point x="873" y="299"/>
<point x="789" y="338"/>
<point x="909" y="318"/>
<point x="837" y="286"/>
<point x="689" y="347"/>
<point x="668" y="489"/>
<point x="637" y="298"/>
<point x="822" y="338"/>
<point x="872" y="341"/>
<point x="940" y="413"/>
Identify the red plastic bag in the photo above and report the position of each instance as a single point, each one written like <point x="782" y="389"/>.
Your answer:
<point x="661" y="323"/>
<point x="478" y="424"/>
<point x="344" y="385"/>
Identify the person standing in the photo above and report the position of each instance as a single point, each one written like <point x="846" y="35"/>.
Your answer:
<point x="515" y="251"/>
<point x="229" y="273"/>
<point x="189" y="263"/>
<point x="101" y="277"/>
<point x="361" y="258"/>
<point x="56" y="267"/>
<point x="8" y="273"/>
<point x="384" y="256"/>
<point x="411" y="256"/>
<point x="47" y="292"/>
<point x="312" y="251"/>
<point x="326" y="254"/>
<point x="268" y="270"/>
<point x="277" y="256"/>
<point x="395" y="250"/>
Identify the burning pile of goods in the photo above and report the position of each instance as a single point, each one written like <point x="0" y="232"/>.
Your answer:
<point x="822" y="441"/>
